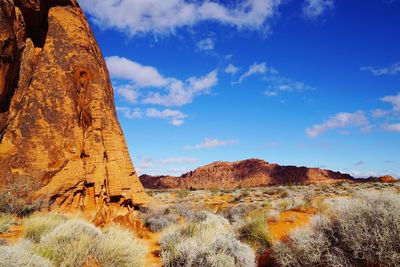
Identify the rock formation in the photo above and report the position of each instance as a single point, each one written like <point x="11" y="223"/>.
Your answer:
<point x="58" y="124"/>
<point x="246" y="173"/>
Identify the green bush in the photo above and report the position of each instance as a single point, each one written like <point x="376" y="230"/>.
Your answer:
<point x="254" y="231"/>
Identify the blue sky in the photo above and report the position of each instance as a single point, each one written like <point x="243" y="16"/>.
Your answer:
<point x="295" y="82"/>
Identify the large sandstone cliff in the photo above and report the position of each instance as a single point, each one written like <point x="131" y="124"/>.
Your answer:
<point x="58" y="125"/>
<point x="246" y="173"/>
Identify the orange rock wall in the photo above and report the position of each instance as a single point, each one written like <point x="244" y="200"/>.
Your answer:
<point x="58" y="124"/>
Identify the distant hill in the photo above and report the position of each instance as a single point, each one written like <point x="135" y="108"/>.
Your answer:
<point x="246" y="173"/>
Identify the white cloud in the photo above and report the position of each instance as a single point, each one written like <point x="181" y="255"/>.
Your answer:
<point x="390" y="70"/>
<point x="395" y="127"/>
<point x="131" y="113"/>
<point x="340" y="120"/>
<point x="128" y="92"/>
<point x="143" y="76"/>
<point x="164" y="17"/>
<point x="206" y="44"/>
<point x="231" y="69"/>
<point x="254" y="69"/>
<point x="180" y="93"/>
<point x="177" y="92"/>
<point x="394" y="100"/>
<point x="315" y="8"/>
<point x="213" y="142"/>
<point x="175" y="117"/>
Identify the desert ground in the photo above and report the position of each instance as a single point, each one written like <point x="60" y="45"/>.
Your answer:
<point x="343" y="224"/>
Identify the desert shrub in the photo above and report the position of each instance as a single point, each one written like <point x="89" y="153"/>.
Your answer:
<point x="6" y="221"/>
<point x="237" y="213"/>
<point x="117" y="248"/>
<point x="21" y="255"/>
<point x="206" y="217"/>
<point x="266" y="204"/>
<point x="363" y="231"/>
<point x="70" y="244"/>
<point x="38" y="225"/>
<point x="160" y="222"/>
<point x="282" y="204"/>
<point x="14" y="196"/>
<point x="184" y="210"/>
<point x="182" y="193"/>
<point x="293" y="203"/>
<point x="245" y="193"/>
<point x="206" y="241"/>
<point x="254" y="231"/>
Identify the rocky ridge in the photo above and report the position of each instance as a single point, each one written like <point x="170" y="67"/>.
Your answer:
<point x="246" y="173"/>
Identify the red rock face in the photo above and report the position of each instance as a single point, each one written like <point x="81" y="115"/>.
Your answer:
<point x="58" y="124"/>
<point x="247" y="173"/>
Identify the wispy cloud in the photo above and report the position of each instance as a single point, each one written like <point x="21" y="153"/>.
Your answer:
<point x="166" y="166"/>
<point x="270" y="93"/>
<point x="339" y="121"/>
<point x="254" y="69"/>
<point x="389" y="114"/>
<point x="394" y="127"/>
<point x="315" y="8"/>
<point x="379" y="113"/>
<point x="174" y="92"/>
<point x="206" y="44"/>
<point x="276" y="83"/>
<point x="388" y="119"/>
<point x="178" y="160"/>
<point x="212" y="143"/>
<point x="231" y="69"/>
<point x="175" y="117"/>
<point x="390" y="70"/>
<point x="164" y="17"/>
<point x="131" y="113"/>
<point x="359" y="163"/>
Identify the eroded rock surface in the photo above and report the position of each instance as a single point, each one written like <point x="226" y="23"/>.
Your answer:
<point x="246" y="173"/>
<point x="58" y="124"/>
